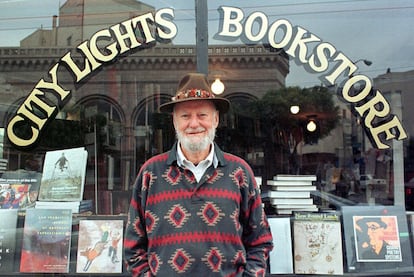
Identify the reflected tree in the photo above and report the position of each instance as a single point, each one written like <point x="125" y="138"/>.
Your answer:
<point x="283" y="131"/>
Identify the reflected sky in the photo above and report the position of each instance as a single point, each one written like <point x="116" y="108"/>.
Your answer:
<point x="376" y="30"/>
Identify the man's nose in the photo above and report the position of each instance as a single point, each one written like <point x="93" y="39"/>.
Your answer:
<point x="193" y="122"/>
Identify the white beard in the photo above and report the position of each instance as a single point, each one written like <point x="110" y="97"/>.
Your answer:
<point x="196" y="145"/>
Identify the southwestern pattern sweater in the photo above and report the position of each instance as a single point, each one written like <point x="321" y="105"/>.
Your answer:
<point x="180" y="227"/>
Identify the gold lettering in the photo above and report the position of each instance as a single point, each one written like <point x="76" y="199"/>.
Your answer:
<point x="345" y="63"/>
<point x="386" y="128"/>
<point x="16" y="140"/>
<point x="128" y="35"/>
<point x="300" y="42"/>
<point x="80" y="74"/>
<point x="54" y="85"/>
<point x="95" y="50"/>
<point x="144" y="24"/>
<point x="372" y="106"/>
<point x="348" y="87"/>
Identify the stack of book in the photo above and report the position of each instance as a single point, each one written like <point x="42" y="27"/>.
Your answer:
<point x="3" y="165"/>
<point x="290" y="193"/>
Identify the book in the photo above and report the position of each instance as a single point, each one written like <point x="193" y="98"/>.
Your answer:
<point x="291" y="201"/>
<point x="289" y="209"/>
<point x="280" y="258"/>
<point x="74" y="206"/>
<point x="293" y="188"/>
<point x="286" y="194"/>
<point x="19" y="189"/>
<point x="15" y="196"/>
<point x="317" y="243"/>
<point x="46" y="241"/>
<point x="63" y="176"/>
<point x="100" y="246"/>
<point x="7" y="239"/>
<point x="377" y="239"/>
<point x="282" y="177"/>
<point x="289" y="183"/>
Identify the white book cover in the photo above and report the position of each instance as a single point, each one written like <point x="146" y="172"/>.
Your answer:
<point x="289" y="183"/>
<point x="286" y="194"/>
<point x="63" y="175"/>
<point x="280" y="258"/>
<point x="317" y="244"/>
<point x="294" y="188"/>
<point x="302" y="201"/>
<point x="294" y="177"/>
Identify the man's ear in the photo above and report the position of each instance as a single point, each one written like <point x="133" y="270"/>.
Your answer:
<point x="216" y="118"/>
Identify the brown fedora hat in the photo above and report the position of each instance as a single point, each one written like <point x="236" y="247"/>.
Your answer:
<point x="195" y="86"/>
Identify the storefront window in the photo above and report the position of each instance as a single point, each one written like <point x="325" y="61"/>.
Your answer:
<point x="319" y="90"/>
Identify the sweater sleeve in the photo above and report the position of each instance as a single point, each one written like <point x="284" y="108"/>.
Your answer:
<point x="257" y="236"/>
<point x="135" y="241"/>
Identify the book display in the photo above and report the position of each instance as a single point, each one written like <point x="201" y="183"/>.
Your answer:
<point x="376" y="239"/>
<point x="100" y="246"/>
<point x="317" y="243"/>
<point x="290" y="193"/>
<point x="7" y="239"/>
<point x="46" y="241"/>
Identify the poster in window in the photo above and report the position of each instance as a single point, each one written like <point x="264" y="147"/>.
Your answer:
<point x="377" y="239"/>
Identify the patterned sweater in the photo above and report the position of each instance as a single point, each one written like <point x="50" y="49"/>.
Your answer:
<point x="178" y="227"/>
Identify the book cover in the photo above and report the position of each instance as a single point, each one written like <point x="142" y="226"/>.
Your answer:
<point x="75" y="206"/>
<point x="280" y="258"/>
<point x="289" y="183"/>
<point x="63" y="176"/>
<point x="15" y="196"/>
<point x="7" y="239"/>
<point x="19" y="189"/>
<point x="282" y="210"/>
<point x="317" y="243"/>
<point x="46" y="241"/>
<point x="286" y="194"/>
<point x="100" y="246"/>
<point x="283" y="177"/>
<point x="293" y="188"/>
<point x="377" y="239"/>
<point x="291" y="201"/>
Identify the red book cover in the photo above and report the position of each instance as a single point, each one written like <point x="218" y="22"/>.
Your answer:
<point x="46" y="241"/>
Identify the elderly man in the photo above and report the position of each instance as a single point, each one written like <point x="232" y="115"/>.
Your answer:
<point x="195" y="210"/>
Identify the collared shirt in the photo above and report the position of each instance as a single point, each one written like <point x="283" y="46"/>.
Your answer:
<point x="200" y="169"/>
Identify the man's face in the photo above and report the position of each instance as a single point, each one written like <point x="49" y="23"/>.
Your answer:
<point x="375" y="231"/>
<point x="195" y="123"/>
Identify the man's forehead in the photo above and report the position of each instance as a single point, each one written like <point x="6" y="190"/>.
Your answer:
<point x="195" y="104"/>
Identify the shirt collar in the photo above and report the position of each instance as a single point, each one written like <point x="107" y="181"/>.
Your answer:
<point x="210" y="159"/>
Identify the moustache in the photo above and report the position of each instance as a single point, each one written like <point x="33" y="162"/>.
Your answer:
<point x="194" y="130"/>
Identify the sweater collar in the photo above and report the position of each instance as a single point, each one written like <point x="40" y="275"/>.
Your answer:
<point x="172" y="156"/>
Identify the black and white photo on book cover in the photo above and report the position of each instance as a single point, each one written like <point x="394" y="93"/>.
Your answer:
<point x="376" y="239"/>
<point x="63" y="175"/>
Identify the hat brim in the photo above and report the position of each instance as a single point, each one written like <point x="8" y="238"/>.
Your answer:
<point x="363" y="221"/>
<point x="221" y="104"/>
